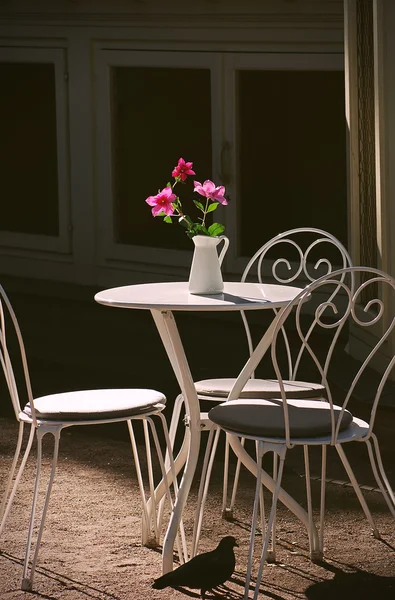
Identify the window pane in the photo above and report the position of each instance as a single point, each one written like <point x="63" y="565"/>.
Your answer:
<point x="159" y="115"/>
<point x="28" y="150"/>
<point x="292" y="154"/>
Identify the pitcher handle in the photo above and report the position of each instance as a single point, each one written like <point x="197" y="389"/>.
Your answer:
<point x="224" y="249"/>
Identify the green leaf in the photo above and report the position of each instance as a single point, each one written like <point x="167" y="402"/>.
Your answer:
<point x="212" y="207"/>
<point x="199" y="205"/>
<point x="216" y="229"/>
<point x="168" y="219"/>
<point x="197" y="229"/>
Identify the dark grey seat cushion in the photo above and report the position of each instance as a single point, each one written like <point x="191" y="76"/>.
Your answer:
<point x="265" y="418"/>
<point x="96" y="404"/>
<point x="260" y="388"/>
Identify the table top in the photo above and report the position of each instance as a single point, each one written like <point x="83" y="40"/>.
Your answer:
<point x="175" y="296"/>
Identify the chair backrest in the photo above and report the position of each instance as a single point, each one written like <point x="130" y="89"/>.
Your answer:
<point x="304" y="253"/>
<point x="364" y="313"/>
<point x="299" y="256"/>
<point x="9" y="330"/>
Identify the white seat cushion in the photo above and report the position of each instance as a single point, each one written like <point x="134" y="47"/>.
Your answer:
<point x="260" y="388"/>
<point x="265" y="418"/>
<point x="96" y="404"/>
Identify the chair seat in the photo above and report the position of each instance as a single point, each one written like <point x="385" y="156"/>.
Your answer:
<point x="96" y="404"/>
<point x="260" y="388"/>
<point x="265" y="418"/>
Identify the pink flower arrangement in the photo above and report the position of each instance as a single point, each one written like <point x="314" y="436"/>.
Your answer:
<point x="168" y="205"/>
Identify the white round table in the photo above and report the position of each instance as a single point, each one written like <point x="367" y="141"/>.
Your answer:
<point x="162" y="299"/>
<point x="175" y="296"/>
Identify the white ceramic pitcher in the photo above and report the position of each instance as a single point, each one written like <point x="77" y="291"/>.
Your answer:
<point x="205" y="276"/>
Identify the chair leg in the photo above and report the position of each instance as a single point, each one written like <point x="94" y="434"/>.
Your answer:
<point x="262" y="449"/>
<point x="227" y="513"/>
<point x="172" y="431"/>
<point x="176" y="464"/>
<point x="271" y="552"/>
<point x="357" y="490"/>
<point x="8" y="497"/>
<point x="308" y="493"/>
<point x="269" y="525"/>
<point x="207" y="468"/>
<point x="11" y="473"/>
<point x="27" y="581"/>
<point x="151" y="483"/>
<point x="175" y="418"/>
<point x="170" y="478"/>
<point x="181" y="545"/>
<point x="316" y="542"/>
<point x="322" y="502"/>
<point x="145" y="526"/>
<point x="377" y="466"/>
<point x="152" y="511"/>
<point x="172" y="468"/>
<point x="262" y="514"/>
<point x="259" y="457"/>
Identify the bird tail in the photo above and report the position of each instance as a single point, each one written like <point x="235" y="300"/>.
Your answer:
<point x="160" y="583"/>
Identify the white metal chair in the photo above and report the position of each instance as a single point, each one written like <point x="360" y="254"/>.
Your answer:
<point x="299" y="255"/>
<point x="52" y="413"/>
<point x="279" y="424"/>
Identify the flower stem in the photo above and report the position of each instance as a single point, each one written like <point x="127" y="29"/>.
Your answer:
<point x="178" y="209"/>
<point x="205" y="212"/>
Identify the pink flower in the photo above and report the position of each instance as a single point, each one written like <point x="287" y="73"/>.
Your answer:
<point x="209" y="190"/>
<point x="183" y="169"/>
<point x="162" y="202"/>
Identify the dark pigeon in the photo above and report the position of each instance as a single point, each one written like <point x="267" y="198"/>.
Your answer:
<point x="204" y="571"/>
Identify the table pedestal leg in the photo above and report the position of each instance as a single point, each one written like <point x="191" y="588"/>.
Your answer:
<point x="171" y="340"/>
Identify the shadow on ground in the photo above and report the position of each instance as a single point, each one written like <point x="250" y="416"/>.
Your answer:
<point x="357" y="584"/>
